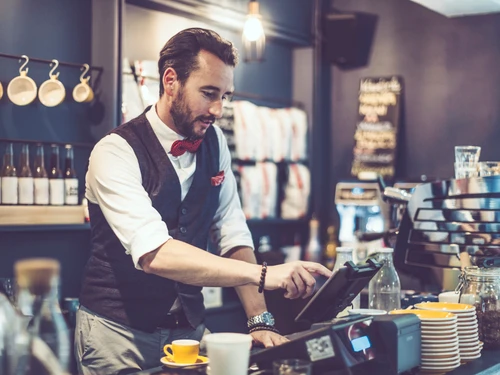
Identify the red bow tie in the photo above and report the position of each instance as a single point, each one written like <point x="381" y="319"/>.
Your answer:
<point x="180" y="147"/>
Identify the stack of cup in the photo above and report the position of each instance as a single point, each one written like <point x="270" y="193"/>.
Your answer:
<point x="440" y="344"/>
<point x="468" y="335"/>
<point x="466" y="161"/>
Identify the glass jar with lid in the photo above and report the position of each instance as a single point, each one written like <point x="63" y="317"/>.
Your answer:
<point x="481" y="288"/>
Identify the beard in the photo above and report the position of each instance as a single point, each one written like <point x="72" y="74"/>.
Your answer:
<point x="183" y="119"/>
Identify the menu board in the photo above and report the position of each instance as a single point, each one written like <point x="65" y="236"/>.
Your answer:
<point x="375" y="138"/>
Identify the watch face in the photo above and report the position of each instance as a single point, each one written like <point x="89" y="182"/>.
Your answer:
<point x="268" y="318"/>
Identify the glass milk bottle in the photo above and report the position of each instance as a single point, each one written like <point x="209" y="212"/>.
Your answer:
<point x="344" y="254"/>
<point x="384" y="290"/>
<point x="48" y="334"/>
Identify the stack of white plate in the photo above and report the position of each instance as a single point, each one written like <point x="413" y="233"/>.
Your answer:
<point x="440" y="349"/>
<point x="468" y="336"/>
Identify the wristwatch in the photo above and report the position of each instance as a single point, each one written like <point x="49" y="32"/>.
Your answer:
<point x="266" y="318"/>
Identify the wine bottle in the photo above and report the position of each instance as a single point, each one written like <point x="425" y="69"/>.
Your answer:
<point x="56" y="181"/>
<point x="26" y="185"/>
<point x="70" y="178"/>
<point x="330" y="252"/>
<point x="9" y="179"/>
<point x="313" y="248"/>
<point x="40" y="178"/>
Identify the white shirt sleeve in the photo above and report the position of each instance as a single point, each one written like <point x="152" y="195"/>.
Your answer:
<point x="114" y="182"/>
<point x="229" y="227"/>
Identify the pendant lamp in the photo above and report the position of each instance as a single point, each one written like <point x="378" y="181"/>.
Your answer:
<point x="254" y="39"/>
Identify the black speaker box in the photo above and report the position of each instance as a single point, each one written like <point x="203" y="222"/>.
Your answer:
<point x="348" y="38"/>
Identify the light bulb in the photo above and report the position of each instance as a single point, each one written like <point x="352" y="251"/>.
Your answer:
<point x="253" y="29"/>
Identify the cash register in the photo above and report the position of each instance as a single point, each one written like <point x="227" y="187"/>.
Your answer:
<point x="354" y="344"/>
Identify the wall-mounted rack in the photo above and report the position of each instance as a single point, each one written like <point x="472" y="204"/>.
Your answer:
<point x="61" y="63"/>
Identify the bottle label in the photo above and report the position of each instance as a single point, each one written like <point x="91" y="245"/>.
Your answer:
<point x="26" y="190"/>
<point x="56" y="191"/>
<point x="71" y="191"/>
<point x="9" y="190"/>
<point x="41" y="190"/>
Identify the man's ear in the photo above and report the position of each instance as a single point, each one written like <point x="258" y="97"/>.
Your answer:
<point x="169" y="80"/>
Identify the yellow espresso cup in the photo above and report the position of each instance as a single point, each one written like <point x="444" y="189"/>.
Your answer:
<point x="182" y="351"/>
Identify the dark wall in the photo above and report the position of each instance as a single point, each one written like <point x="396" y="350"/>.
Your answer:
<point x="291" y="14"/>
<point x="452" y="85"/>
<point x="49" y="29"/>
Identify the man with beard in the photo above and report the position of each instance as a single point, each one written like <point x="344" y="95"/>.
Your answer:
<point x="158" y="187"/>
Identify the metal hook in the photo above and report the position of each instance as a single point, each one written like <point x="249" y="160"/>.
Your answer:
<point x="26" y="60"/>
<point x="54" y="68"/>
<point x="85" y="68"/>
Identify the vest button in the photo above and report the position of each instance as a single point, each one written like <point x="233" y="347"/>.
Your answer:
<point x="183" y="230"/>
<point x="184" y="211"/>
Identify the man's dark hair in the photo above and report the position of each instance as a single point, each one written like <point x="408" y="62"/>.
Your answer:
<point x="181" y="52"/>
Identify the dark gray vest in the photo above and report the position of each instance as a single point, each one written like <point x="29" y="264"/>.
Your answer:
<point x="112" y="287"/>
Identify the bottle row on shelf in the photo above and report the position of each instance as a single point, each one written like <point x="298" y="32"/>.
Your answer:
<point x="23" y="185"/>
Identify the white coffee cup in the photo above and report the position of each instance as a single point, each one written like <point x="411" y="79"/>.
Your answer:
<point x="83" y="93"/>
<point x="229" y="353"/>
<point x="52" y="91"/>
<point x="22" y="89"/>
<point x="449" y="297"/>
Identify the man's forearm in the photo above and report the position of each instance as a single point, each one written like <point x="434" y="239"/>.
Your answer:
<point x="253" y="301"/>
<point x="179" y="261"/>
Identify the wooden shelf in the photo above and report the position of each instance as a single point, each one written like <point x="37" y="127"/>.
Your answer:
<point x="41" y="215"/>
<point x="44" y="227"/>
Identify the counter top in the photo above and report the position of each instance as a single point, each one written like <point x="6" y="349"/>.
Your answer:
<point x="488" y="364"/>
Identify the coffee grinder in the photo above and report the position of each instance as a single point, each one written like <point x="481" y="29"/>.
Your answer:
<point x="362" y="213"/>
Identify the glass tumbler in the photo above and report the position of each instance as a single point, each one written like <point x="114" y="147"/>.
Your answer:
<point x="465" y="170"/>
<point x="489" y="168"/>
<point x="467" y="154"/>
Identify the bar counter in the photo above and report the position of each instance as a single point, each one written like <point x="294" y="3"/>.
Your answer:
<point x="488" y="364"/>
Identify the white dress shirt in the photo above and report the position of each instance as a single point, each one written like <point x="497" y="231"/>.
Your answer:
<point x="114" y="182"/>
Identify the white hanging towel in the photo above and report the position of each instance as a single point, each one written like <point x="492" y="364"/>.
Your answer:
<point x="269" y="189"/>
<point x="297" y="190"/>
<point x="299" y="143"/>
<point x="245" y="129"/>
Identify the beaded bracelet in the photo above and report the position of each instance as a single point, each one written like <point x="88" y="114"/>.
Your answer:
<point x="263" y="277"/>
<point x="263" y="328"/>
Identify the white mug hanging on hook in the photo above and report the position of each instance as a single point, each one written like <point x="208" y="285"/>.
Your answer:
<point x="52" y="91"/>
<point x="82" y="93"/>
<point x="22" y="89"/>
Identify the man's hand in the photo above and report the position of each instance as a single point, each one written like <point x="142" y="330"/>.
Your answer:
<point x="268" y="338"/>
<point x="295" y="277"/>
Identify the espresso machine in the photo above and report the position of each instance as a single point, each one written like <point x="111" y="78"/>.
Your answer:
<point x="446" y="226"/>
<point x="362" y="213"/>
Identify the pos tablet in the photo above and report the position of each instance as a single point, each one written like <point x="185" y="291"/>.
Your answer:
<point x="338" y="292"/>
